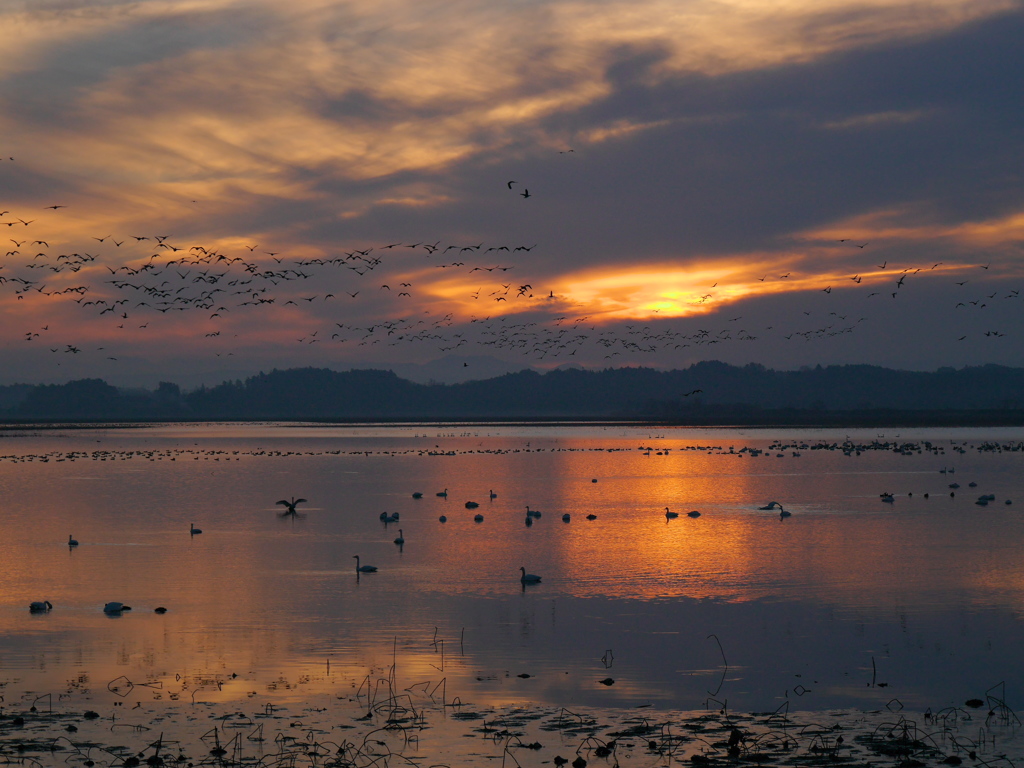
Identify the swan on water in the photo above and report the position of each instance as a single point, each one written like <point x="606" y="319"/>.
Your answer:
<point x="72" y="541"/>
<point x="401" y="539"/>
<point x="492" y="495"/>
<point x="417" y="495"/>
<point x="471" y="505"/>
<point x="591" y="517"/>
<point x="566" y="518"/>
<point x="528" y="578"/>
<point x="40" y="606"/>
<point x="695" y="513"/>
<point x="364" y="568"/>
<point x="291" y="505"/>
<point x="443" y="519"/>
<point x="116" y="608"/>
<point x="670" y="515"/>
<point x="193" y="530"/>
<point x="443" y="494"/>
<point x="478" y="518"/>
<point x="771" y="505"/>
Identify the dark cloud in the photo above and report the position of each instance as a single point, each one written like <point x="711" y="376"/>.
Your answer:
<point x="911" y="143"/>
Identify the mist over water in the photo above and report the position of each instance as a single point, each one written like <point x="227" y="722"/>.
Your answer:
<point x="850" y="602"/>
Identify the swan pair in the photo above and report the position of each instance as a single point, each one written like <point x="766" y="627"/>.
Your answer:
<point x="782" y="512"/>
<point x="670" y="515"/>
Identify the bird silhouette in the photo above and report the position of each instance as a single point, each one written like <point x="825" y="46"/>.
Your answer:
<point x="291" y="505"/>
<point x="364" y="568"/>
<point x="528" y="578"/>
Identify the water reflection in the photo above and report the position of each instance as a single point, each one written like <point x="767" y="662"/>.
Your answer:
<point x="921" y="585"/>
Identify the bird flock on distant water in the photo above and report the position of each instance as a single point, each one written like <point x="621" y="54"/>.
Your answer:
<point x="776" y="449"/>
<point x="138" y="282"/>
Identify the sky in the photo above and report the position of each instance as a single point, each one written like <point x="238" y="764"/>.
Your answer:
<point x="196" y="190"/>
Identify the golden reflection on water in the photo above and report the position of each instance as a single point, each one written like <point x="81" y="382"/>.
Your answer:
<point x="271" y="599"/>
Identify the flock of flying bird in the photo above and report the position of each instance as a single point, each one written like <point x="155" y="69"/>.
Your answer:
<point x="140" y="294"/>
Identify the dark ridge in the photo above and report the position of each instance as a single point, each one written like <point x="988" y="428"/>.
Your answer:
<point x="705" y="393"/>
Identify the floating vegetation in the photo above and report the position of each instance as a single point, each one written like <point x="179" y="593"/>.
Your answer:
<point x="392" y="731"/>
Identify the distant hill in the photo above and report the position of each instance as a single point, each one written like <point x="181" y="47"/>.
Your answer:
<point x="455" y="369"/>
<point x="708" y="392"/>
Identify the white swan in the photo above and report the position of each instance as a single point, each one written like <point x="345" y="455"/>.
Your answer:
<point x="364" y="568"/>
<point x="116" y="608"/>
<point x="193" y="530"/>
<point x="40" y="607"/>
<point x="401" y="539"/>
<point x="528" y="578"/>
<point x="72" y="541"/>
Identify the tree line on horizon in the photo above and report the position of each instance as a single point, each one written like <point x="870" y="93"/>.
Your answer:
<point x="706" y="392"/>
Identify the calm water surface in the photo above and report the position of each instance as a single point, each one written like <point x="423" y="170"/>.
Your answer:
<point x="923" y="596"/>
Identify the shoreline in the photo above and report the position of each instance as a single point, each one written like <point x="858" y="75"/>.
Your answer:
<point x="740" y="418"/>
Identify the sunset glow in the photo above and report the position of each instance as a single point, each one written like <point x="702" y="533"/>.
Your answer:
<point x="547" y="161"/>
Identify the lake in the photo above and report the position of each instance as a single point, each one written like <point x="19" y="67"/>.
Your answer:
<point x="852" y="602"/>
